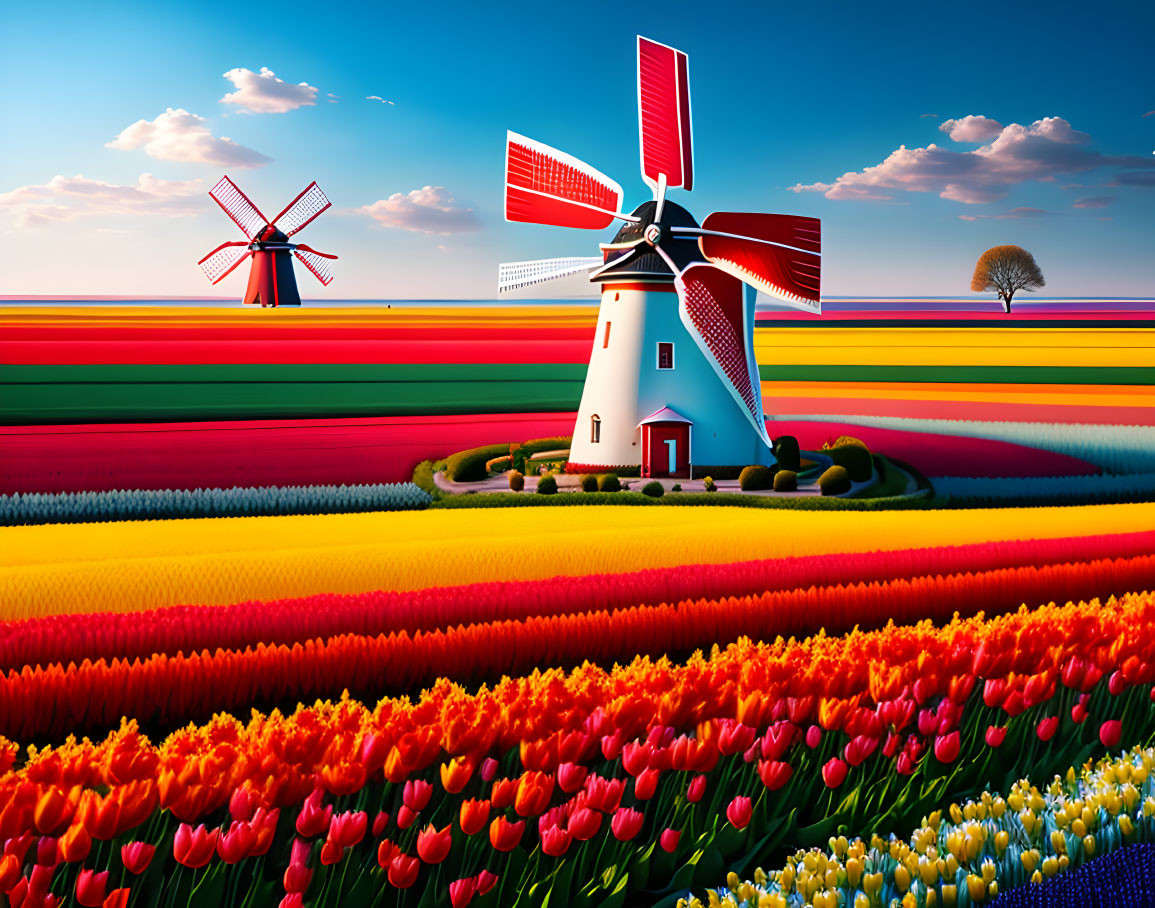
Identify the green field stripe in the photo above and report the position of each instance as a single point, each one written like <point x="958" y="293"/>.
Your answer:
<point x="58" y="403"/>
<point x="305" y="372"/>
<point x="1028" y="375"/>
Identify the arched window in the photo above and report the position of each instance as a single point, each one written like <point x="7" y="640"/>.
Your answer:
<point x="595" y="429"/>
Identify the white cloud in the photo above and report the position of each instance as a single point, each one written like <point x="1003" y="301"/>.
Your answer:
<point x="971" y="128"/>
<point x="177" y="135"/>
<point x="429" y="210"/>
<point x="263" y="92"/>
<point x="926" y="116"/>
<point x="1013" y="214"/>
<point x="68" y="198"/>
<point x="1040" y="152"/>
<point x="333" y="99"/>
<point x="1095" y="201"/>
<point x="378" y="98"/>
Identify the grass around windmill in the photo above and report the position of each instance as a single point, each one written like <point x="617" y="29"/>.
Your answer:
<point x="844" y="475"/>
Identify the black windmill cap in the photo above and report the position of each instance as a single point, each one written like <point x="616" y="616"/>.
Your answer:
<point x="647" y="263"/>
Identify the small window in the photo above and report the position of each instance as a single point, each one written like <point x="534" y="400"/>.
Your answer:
<point x="665" y="356"/>
<point x="617" y="296"/>
<point x="595" y="429"/>
<point x="606" y="339"/>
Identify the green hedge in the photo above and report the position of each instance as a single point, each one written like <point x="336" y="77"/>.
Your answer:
<point x="725" y="499"/>
<point x="172" y="504"/>
<point x="755" y="478"/>
<point x="469" y="466"/>
<point x="855" y="458"/>
<point x="785" y="481"/>
<point x="834" y="481"/>
<point x="536" y="445"/>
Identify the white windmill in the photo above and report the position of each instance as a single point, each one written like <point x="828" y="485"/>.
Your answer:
<point x="672" y="384"/>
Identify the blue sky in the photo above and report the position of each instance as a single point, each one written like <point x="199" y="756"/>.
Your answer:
<point x="798" y="108"/>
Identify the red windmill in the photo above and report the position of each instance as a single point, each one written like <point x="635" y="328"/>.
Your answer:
<point x="271" y="279"/>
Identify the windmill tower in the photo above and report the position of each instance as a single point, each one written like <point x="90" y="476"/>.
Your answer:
<point x="271" y="278"/>
<point x="672" y="384"/>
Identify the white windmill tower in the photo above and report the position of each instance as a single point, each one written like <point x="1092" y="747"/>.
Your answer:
<point x="672" y="384"/>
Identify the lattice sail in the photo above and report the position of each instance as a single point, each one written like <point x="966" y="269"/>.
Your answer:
<point x="664" y="126"/>
<point x="318" y="264"/>
<point x="780" y="255"/>
<point x="547" y="186"/>
<point x="516" y="275"/>
<point x="222" y="260"/>
<point x="303" y="210"/>
<point x="712" y="306"/>
<point x="238" y="206"/>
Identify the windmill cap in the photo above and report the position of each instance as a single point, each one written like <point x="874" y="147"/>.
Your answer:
<point x="650" y="264"/>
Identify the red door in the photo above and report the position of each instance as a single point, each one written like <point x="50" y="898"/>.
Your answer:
<point x="666" y="450"/>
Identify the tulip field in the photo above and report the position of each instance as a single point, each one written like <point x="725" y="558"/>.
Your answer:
<point x="245" y="662"/>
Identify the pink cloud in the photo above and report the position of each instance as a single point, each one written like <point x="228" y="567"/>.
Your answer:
<point x="263" y="92"/>
<point x="68" y="198"/>
<point x="1097" y="201"/>
<point x="971" y="128"/>
<point x="431" y="210"/>
<point x="1013" y="214"/>
<point x="1046" y="149"/>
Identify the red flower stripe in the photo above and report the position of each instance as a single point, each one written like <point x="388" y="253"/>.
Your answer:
<point x="65" y="638"/>
<point x="163" y="690"/>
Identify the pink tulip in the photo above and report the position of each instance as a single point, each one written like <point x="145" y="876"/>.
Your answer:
<point x="739" y="812"/>
<point x="834" y="772"/>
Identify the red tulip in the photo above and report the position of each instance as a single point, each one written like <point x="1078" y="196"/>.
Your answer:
<point x="90" y="888"/>
<point x="734" y="738"/>
<point x="774" y="773"/>
<point x="386" y="851"/>
<point x="489" y="767"/>
<point x="636" y="757"/>
<point x="859" y="748"/>
<point x="54" y="810"/>
<point x="433" y="845"/>
<point x="312" y="820"/>
<point x="626" y="823"/>
<point x="485" y="881"/>
<point x="380" y="822"/>
<point x="298" y="875"/>
<point x="946" y="747"/>
<point x="555" y="841"/>
<point x="1111" y="733"/>
<point x="403" y="871"/>
<point x="348" y="829"/>
<point x="473" y="816"/>
<point x="243" y="802"/>
<point x="1079" y="713"/>
<point x="696" y="789"/>
<point x="118" y="898"/>
<point x="505" y="836"/>
<point x="18" y="893"/>
<point x="571" y="777"/>
<point x="995" y="735"/>
<point x="503" y="793"/>
<point x="612" y="745"/>
<point x="416" y="793"/>
<point x="331" y="853"/>
<point x="669" y="839"/>
<point x="461" y="892"/>
<point x="75" y="844"/>
<point x="739" y="812"/>
<point x="534" y="790"/>
<point x="1116" y="684"/>
<point x="237" y="842"/>
<point x="194" y="847"/>
<point x="292" y="900"/>
<point x="834" y="772"/>
<point x="405" y="816"/>
<point x="10" y="872"/>
<point x="1047" y="728"/>
<point x="584" y="824"/>
<point x="136" y="856"/>
<point x="455" y="774"/>
<point x="646" y="784"/>
<point x="813" y="736"/>
<point x="47" y="852"/>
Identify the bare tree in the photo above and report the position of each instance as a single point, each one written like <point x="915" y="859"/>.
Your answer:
<point x="1007" y="269"/>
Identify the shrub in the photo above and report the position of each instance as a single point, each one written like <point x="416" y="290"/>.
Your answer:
<point x="677" y="487"/>
<point x="654" y="489"/>
<point x="785" y="481"/>
<point x="516" y="481"/>
<point x="708" y="482"/>
<point x="609" y="482"/>
<point x="589" y="483"/>
<point x="787" y="454"/>
<point x="843" y="440"/>
<point x="498" y="464"/>
<point x="855" y="458"/>
<point x="469" y="466"/>
<point x="547" y="485"/>
<point x="527" y="449"/>
<point x="754" y="477"/>
<point x="834" y="481"/>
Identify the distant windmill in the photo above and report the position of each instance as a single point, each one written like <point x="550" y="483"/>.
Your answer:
<point x="271" y="279"/>
<point x="672" y="370"/>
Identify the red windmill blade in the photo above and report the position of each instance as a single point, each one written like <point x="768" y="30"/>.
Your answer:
<point x="664" y="126"/>
<point x="271" y="278"/>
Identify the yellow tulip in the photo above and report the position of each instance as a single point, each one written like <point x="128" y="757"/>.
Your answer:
<point x="901" y="878"/>
<point x="976" y="888"/>
<point x="1088" y="845"/>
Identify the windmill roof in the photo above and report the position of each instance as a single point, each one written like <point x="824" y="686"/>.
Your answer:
<point x="647" y="263"/>
<point x="665" y="415"/>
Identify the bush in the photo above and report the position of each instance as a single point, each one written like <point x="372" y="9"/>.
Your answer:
<point x="609" y="482"/>
<point x="547" y="485"/>
<point x="498" y="464"/>
<point x="785" y="481"/>
<point x="787" y="454"/>
<point x="844" y="440"/>
<point x="469" y="466"/>
<point x="676" y="487"/>
<point x="527" y="449"/>
<point x="708" y="482"/>
<point x="654" y="489"/>
<point x="589" y="483"/>
<point x="516" y="481"/>
<point x="855" y="458"/>
<point x="834" y="481"/>
<point x="755" y="477"/>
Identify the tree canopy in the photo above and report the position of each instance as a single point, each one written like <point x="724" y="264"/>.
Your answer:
<point x="1007" y="269"/>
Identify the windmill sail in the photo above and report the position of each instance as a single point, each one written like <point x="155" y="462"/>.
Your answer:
<point x="302" y="210"/>
<point x="664" y="125"/>
<point x="714" y="310"/>
<point x="316" y="262"/>
<point x="780" y="255"/>
<point x="517" y="275"/>
<point x="237" y="206"/>
<point x="222" y="260"/>
<point x="547" y="186"/>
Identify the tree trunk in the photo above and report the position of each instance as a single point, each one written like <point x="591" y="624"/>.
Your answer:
<point x="1007" y="301"/>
